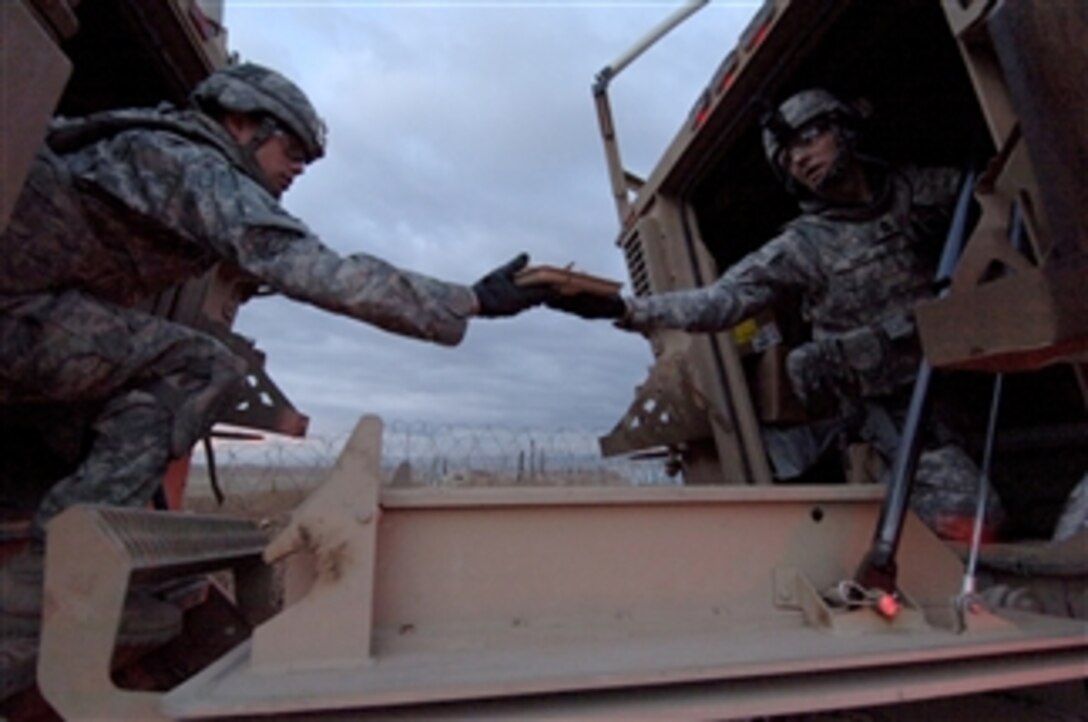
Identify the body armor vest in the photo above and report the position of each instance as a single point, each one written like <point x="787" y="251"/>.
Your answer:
<point x="876" y="266"/>
<point x="70" y="231"/>
<point x="877" y="262"/>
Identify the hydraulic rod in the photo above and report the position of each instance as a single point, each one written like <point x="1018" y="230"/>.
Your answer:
<point x="878" y="568"/>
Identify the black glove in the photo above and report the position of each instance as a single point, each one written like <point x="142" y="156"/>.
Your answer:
<point x="498" y="295"/>
<point x="589" y="305"/>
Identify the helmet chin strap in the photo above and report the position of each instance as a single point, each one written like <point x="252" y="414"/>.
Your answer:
<point x="844" y="157"/>
<point x="249" y="149"/>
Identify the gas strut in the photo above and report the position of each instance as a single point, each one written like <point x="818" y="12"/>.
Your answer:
<point x="878" y="569"/>
<point x="970" y="583"/>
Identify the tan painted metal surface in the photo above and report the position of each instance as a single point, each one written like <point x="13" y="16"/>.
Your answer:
<point x="92" y="555"/>
<point x="1035" y="315"/>
<point x="420" y="596"/>
<point x="33" y="71"/>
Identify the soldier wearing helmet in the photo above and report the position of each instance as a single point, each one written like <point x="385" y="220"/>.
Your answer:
<point x="860" y="255"/>
<point x="275" y="109"/>
<point x="810" y="140"/>
<point x="121" y="205"/>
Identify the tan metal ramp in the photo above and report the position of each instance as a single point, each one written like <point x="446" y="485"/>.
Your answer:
<point x="692" y="602"/>
<point x="92" y="556"/>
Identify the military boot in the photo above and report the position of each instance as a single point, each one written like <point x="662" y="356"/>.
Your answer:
<point x="145" y="621"/>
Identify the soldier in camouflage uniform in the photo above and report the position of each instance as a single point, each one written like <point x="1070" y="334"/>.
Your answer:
<point x="860" y="255"/>
<point x="121" y="205"/>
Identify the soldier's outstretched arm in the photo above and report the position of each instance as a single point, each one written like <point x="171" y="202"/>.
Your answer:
<point x="372" y="290"/>
<point x="711" y="308"/>
<point x="746" y="288"/>
<point x="359" y="286"/>
<point x="250" y="228"/>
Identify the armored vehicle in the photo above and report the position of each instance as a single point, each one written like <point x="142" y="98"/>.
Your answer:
<point x="714" y="598"/>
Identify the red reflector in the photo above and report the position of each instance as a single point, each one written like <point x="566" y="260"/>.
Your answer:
<point x="760" y="36"/>
<point x="758" y="28"/>
<point x="960" y="527"/>
<point x="701" y="110"/>
<point x="727" y="81"/>
<point x="888" y="606"/>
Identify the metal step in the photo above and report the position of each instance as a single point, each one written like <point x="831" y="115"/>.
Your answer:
<point x="92" y="555"/>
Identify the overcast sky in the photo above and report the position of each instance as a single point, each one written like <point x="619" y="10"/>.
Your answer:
<point x="462" y="133"/>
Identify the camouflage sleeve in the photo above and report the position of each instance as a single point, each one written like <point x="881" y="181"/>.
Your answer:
<point x="360" y="286"/>
<point x="749" y="286"/>
<point x="199" y="195"/>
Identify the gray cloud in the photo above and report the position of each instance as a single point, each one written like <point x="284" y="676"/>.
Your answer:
<point x="461" y="134"/>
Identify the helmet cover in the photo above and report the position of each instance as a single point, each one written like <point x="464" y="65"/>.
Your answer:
<point x="798" y="111"/>
<point x="254" y="89"/>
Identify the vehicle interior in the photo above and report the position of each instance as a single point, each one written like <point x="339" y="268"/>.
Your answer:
<point x="143" y="67"/>
<point x="903" y="61"/>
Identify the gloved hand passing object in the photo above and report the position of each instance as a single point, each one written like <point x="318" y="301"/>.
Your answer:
<point x="589" y="305"/>
<point x="498" y="295"/>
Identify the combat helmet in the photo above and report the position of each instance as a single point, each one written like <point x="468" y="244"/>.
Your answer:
<point x="799" y="110"/>
<point x="251" y="88"/>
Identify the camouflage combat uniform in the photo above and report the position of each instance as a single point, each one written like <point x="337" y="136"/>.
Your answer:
<point x="120" y="206"/>
<point x="859" y="270"/>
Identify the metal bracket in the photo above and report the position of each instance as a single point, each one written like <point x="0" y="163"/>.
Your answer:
<point x="793" y="590"/>
<point x="330" y="548"/>
<point x="666" y="410"/>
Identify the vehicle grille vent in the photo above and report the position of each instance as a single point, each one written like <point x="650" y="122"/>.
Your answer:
<point x="636" y="264"/>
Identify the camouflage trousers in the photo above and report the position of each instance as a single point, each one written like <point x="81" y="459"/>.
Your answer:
<point x="859" y="363"/>
<point x="853" y="379"/>
<point x="157" y="386"/>
<point x="945" y="489"/>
